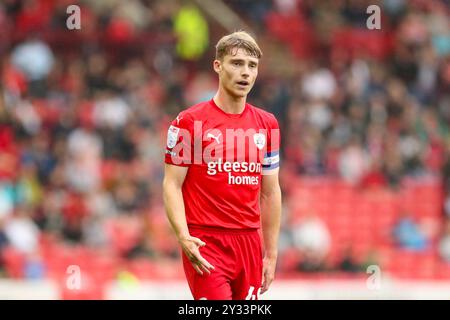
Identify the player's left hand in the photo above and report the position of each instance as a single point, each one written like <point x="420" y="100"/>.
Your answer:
<point x="269" y="265"/>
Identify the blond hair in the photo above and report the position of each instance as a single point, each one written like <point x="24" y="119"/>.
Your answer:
<point x="237" y="40"/>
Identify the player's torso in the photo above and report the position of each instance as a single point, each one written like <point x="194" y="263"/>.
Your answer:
<point x="226" y="156"/>
<point x="228" y="150"/>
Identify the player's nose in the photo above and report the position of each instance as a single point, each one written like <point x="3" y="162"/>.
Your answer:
<point x="245" y="73"/>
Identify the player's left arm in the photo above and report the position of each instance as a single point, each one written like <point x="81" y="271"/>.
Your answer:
<point x="270" y="202"/>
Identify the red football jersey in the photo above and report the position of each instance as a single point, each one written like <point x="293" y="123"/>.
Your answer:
<point x="226" y="154"/>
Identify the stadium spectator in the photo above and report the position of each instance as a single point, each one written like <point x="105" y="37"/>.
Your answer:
<point x="84" y="151"/>
<point x="3" y="244"/>
<point x="447" y="204"/>
<point x="21" y="231"/>
<point x="444" y="243"/>
<point x="312" y="239"/>
<point x="348" y="262"/>
<point x="35" y="59"/>
<point x="408" y="234"/>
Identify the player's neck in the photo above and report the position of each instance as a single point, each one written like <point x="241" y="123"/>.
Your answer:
<point x="228" y="103"/>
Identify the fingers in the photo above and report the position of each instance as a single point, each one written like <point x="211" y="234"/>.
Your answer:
<point x="263" y="280"/>
<point x="207" y="266"/>
<point x="197" y="269"/>
<point x="199" y="263"/>
<point x="265" y="286"/>
<point x="203" y="269"/>
<point x="267" y="281"/>
<point x="268" y="274"/>
<point x="198" y="242"/>
<point x="205" y="263"/>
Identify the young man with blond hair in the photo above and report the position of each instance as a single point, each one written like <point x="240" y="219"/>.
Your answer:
<point x="221" y="189"/>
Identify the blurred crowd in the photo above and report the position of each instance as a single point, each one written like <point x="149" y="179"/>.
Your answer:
<point x="84" y="113"/>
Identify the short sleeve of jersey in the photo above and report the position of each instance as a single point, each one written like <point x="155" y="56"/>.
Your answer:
<point x="271" y="159"/>
<point x="179" y="141"/>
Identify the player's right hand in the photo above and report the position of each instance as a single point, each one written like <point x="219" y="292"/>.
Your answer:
<point x="191" y="246"/>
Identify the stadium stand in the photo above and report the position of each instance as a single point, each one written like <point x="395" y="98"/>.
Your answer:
<point x="365" y="119"/>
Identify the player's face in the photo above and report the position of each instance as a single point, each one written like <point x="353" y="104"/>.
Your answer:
<point x="237" y="72"/>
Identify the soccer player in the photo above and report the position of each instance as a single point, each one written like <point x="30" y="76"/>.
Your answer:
<point x="221" y="189"/>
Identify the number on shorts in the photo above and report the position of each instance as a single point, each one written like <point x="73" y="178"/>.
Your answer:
<point x="251" y="296"/>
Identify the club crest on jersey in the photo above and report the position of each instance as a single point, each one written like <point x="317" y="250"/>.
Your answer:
<point x="172" y="136"/>
<point x="260" y="140"/>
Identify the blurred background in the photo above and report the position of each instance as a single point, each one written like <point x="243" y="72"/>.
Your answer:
<point x="365" y="120"/>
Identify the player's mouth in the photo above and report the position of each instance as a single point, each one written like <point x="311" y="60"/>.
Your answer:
<point x="243" y="83"/>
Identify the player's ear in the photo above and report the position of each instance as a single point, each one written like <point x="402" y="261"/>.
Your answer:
<point x="217" y="65"/>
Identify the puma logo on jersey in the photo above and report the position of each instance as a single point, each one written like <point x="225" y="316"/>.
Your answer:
<point x="210" y="135"/>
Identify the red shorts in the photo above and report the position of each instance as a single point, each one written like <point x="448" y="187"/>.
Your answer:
<point x="237" y="258"/>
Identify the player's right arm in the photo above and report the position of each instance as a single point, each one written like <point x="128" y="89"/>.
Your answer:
<point x="173" y="201"/>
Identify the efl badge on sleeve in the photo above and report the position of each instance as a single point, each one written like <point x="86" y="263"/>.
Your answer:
<point x="260" y="140"/>
<point x="172" y="136"/>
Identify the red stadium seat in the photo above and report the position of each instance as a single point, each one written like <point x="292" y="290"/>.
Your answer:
<point x="294" y="31"/>
<point x="14" y="262"/>
<point x="443" y="270"/>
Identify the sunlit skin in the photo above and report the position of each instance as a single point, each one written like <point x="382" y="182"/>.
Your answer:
<point x="237" y="74"/>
